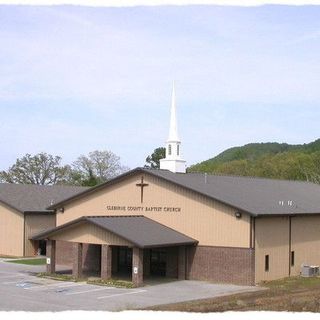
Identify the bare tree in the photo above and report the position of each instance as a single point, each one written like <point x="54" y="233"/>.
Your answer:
<point x="97" y="167"/>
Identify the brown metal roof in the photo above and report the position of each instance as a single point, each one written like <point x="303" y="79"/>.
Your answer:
<point x="256" y="196"/>
<point x="29" y="197"/>
<point x="139" y="230"/>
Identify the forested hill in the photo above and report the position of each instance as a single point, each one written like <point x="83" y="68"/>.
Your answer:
<point x="270" y="160"/>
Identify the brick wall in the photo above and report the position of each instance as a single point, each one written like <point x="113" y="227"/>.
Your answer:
<point x="91" y="255"/>
<point x="221" y="264"/>
<point x="218" y="264"/>
<point x="64" y="254"/>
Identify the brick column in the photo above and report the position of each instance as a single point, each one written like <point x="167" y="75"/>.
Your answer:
<point x="115" y="256"/>
<point x="182" y="263"/>
<point x="137" y="266"/>
<point x="51" y="254"/>
<point x="106" y="261"/>
<point x="77" y="260"/>
<point x="146" y="262"/>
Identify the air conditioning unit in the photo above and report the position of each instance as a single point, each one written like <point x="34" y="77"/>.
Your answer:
<point x="309" y="271"/>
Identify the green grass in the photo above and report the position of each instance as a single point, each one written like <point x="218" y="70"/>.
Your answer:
<point x="59" y="276"/>
<point x="288" y="284"/>
<point x="68" y="277"/>
<point x="112" y="283"/>
<point x="33" y="262"/>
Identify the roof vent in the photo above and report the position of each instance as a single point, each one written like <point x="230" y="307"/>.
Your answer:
<point x="205" y="178"/>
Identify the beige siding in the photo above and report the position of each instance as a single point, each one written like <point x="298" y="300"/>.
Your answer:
<point x="210" y="222"/>
<point x="11" y="231"/>
<point x="272" y="238"/>
<point x="305" y="241"/>
<point x="35" y="223"/>
<point x="88" y="233"/>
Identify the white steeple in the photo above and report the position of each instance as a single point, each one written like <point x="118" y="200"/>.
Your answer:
<point x="173" y="160"/>
<point x="173" y="132"/>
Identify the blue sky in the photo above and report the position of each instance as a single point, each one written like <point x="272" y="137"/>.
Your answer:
<point x="76" y="79"/>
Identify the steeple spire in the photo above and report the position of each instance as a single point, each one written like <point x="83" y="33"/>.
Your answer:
<point x="173" y="160"/>
<point x="173" y="132"/>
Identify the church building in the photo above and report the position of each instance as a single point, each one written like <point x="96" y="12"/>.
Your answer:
<point x="168" y="223"/>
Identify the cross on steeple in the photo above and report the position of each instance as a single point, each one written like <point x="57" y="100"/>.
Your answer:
<point x="142" y="185"/>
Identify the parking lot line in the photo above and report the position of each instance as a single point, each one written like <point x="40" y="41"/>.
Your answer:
<point x="91" y="290"/>
<point x="71" y="284"/>
<point x="1" y="272"/>
<point x="45" y="286"/>
<point x="10" y="282"/>
<point x="12" y="276"/>
<point x="121" y="294"/>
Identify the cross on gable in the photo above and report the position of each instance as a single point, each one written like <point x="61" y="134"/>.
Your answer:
<point x="142" y="185"/>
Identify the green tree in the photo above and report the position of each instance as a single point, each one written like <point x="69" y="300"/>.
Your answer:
<point x="42" y="168"/>
<point x="237" y="167"/>
<point x="269" y="160"/>
<point x="153" y="161"/>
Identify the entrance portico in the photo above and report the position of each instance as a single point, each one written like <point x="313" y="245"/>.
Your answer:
<point x="135" y="244"/>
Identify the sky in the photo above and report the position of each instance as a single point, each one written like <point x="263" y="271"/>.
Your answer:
<point x="75" y="79"/>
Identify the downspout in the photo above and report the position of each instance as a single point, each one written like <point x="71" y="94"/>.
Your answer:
<point x="24" y="235"/>
<point x="252" y="232"/>
<point x="252" y="247"/>
<point x="251" y="226"/>
<point x="289" y="246"/>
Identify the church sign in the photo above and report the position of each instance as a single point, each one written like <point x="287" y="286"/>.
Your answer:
<point x="138" y="209"/>
<point x="143" y="209"/>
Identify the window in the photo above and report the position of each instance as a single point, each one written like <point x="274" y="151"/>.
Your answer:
<point x="266" y="263"/>
<point x="178" y="151"/>
<point x="292" y="258"/>
<point x="169" y="149"/>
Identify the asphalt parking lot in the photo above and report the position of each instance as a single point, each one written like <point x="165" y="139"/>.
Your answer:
<point x="21" y="290"/>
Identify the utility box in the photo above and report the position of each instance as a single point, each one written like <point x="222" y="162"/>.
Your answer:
<point x="309" y="271"/>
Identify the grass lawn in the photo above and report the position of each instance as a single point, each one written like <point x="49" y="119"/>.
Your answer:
<point x="69" y="277"/>
<point x="33" y="262"/>
<point x="112" y="283"/>
<point x="59" y="277"/>
<point x="289" y="294"/>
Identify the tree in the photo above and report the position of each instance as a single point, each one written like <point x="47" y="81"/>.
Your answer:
<point x="42" y="168"/>
<point x="95" y="168"/>
<point x="153" y="161"/>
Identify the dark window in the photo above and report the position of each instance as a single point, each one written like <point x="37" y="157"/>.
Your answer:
<point x="266" y="263"/>
<point x="158" y="260"/>
<point x="42" y="247"/>
<point x="169" y="150"/>
<point x="124" y="260"/>
<point x="178" y="151"/>
<point x="292" y="258"/>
